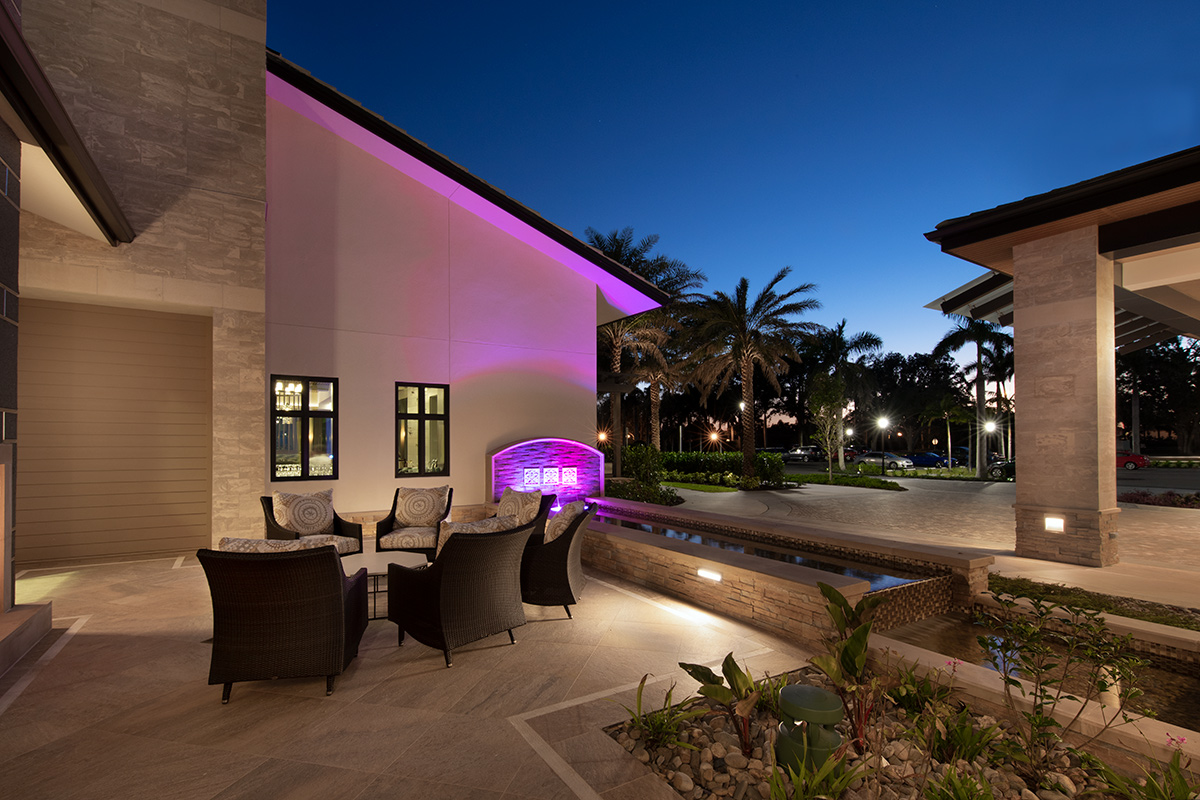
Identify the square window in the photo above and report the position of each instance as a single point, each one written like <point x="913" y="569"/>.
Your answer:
<point x="422" y="429"/>
<point x="303" y="428"/>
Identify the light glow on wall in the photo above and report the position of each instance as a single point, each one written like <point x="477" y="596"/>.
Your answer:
<point x="1055" y="524"/>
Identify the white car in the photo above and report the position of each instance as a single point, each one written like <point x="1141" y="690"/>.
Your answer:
<point x="892" y="460"/>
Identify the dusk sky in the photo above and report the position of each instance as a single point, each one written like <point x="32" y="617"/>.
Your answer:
<point x="825" y="136"/>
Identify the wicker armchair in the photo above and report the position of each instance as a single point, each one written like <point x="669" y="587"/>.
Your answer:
<point x="552" y="572"/>
<point x="341" y="528"/>
<point x="471" y="591"/>
<point x="388" y="525"/>
<point x="283" y="615"/>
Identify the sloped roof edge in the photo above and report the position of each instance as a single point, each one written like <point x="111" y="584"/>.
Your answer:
<point x="325" y="94"/>
<point x="32" y="97"/>
<point x="1150" y="177"/>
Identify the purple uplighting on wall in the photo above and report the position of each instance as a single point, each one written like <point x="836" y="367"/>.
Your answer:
<point x="572" y="470"/>
<point x="617" y="292"/>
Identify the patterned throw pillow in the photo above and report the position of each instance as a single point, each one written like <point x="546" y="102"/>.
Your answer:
<point x="236" y="545"/>
<point x="522" y="505"/>
<point x="420" y="508"/>
<point x="489" y="525"/>
<point x="558" y="524"/>
<point x="305" y="513"/>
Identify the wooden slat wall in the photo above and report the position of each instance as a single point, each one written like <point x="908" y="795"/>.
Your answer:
<point x="114" y="452"/>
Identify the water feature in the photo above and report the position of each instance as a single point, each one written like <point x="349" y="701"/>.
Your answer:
<point x="872" y="575"/>
<point x="1174" y="698"/>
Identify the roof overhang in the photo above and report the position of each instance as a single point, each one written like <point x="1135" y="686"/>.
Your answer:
<point x="1148" y="218"/>
<point x="59" y="180"/>
<point x="620" y="292"/>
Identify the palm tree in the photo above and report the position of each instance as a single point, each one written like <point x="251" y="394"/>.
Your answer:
<point x="732" y="335"/>
<point x="834" y="351"/>
<point x="1001" y="366"/>
<point x="949" y="409"/>
<point x="640" y="334"/>
<point x="982" y="334"/>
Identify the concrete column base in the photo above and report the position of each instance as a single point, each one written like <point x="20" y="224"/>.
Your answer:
<point x="1088" y="537"/>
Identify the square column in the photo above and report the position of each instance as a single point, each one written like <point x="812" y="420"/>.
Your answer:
<point x="1064" y="345"/>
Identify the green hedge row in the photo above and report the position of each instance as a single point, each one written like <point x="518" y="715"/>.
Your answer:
<point x="1173" y="464"/>
<point x="768" y="467"/>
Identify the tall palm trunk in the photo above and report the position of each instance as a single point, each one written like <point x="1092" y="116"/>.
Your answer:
<point x="747" y="418"/>
<point x="655" y="401"/>
<point x="980" y="400"/>
<point x="841" y="432"/>
<point x="615" y="365"/>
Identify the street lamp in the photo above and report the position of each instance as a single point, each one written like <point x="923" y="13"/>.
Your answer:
<point x="989" y="427"/>
<point x="883" y="423"/>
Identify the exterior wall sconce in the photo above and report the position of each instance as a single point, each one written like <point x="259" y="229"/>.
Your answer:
<point x="1054" y="524"/>
<point x="709" y="574"/>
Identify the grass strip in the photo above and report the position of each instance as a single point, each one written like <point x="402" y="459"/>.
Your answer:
<point x="700" y="487"/>
<point x="1175" y="616"/>
<point x="861" y="481"/>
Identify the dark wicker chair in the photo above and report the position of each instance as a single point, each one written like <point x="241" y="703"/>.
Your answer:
<point x="341" y="527"/>
<point x="388" y="524"/>
<point x="283" y="615"/>
<point x="552" y="572"/>
<point x="471" y="591"/>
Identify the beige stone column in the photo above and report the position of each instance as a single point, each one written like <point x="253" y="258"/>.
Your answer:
<point x="1065" y="384"/>
<point x="239" y="423"/>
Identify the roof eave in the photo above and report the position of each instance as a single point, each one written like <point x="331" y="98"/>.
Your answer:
<point x="1151" y="177"/>
<point x="32" y="97"/>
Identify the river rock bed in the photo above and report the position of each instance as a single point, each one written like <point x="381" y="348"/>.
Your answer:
<point x="717" y="768"/>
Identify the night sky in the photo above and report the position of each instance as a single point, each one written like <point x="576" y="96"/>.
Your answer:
<point x="826" y="136"/>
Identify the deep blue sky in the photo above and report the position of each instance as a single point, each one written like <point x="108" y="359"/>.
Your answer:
<point x="828" y="136"/>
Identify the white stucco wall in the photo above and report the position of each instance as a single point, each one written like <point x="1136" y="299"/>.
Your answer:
<point x="372" y="278"/>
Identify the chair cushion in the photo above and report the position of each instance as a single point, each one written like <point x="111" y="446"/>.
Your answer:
<point x="410" y="538"/>
<point x="305" y="513"/>
<point x="522" y="505"/>
<point x="489" y="525"/>
<point x="558" y="524"/>
<point x="420" y="508"/>
<point x="235" y="545"/>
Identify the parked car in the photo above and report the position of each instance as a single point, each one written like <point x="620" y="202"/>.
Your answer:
<point x="892" y="460"/>
<point x="927" y="459"/>
<point x="1130" y="460"/>
<point x="1002" y="470"/>
<point x="808" y="452"/>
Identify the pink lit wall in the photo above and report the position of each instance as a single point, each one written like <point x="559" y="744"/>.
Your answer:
<point x="374" y="277"/>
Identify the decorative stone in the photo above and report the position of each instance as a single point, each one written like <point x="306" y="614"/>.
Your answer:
<point x="682" y="782"/>
<point x="736" y="760"/>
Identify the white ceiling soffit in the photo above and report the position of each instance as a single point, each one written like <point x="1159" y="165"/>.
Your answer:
<point x="45" y="193"/>
<point x="1143" y="318"/>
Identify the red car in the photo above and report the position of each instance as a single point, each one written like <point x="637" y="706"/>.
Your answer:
<point x="1130" y="460"/>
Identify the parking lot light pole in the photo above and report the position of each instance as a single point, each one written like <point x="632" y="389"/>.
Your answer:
<point x="883" y="423"/>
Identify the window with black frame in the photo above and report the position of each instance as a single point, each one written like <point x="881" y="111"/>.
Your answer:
<point x="422" y="429"/>
<point x="303" y="428"/>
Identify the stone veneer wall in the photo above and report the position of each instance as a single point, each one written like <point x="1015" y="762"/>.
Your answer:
<point x="169" y="96"/>
<point x="778" y="597"/>
<point x="784" y="601"/>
